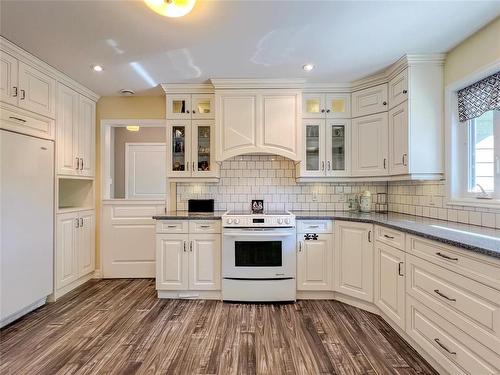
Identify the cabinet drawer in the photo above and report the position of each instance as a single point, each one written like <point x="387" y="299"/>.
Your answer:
<point x="314" y="226"/>
<point x="204" y="226"/>
<point x="456" y="351"/>
<point x="470" y="305"/>
<point x="24" y="122"/>
<point x="172" y="226"/>
<point x="480" y="268"/>
<point x="390" y="237"/>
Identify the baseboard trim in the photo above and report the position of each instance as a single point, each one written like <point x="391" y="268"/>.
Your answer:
<point x="58" y="293"/>
<point x="97" y="274"/>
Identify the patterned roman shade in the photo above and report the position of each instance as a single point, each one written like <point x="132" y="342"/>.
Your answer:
<point x="480" y="97"/>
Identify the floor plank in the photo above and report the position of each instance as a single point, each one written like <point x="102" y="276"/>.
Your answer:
<point x="121" y="327"/>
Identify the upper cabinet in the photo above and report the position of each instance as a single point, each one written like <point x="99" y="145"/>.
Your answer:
<point x="75" y="133"/>
<point x="319" y="105"/>
<point x="369" y="101"/>
<point x="258" y="121"/>
<point x="398" y="89"/>
<point x="26" y="87"/>
<point x="190" y="106"/>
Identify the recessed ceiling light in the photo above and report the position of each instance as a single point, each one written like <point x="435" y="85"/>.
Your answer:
<point x="97" y="68"/>
<point x="133" y="128"/>
<point x="171" y="8"/>
<point x="308" y="67"/>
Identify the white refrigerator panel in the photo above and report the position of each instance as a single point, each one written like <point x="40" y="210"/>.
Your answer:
<point x="27" y="223"/>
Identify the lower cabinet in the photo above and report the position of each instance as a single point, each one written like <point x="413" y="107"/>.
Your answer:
<point x="314" y="261"/>
<point x="75" y="246"/>
<point x="390" y="282"/>
<point x="188" y="261"/>
<point x="353" y="259"/>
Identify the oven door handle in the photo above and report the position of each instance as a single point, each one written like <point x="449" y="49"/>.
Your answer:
<point x="257" y="234"/>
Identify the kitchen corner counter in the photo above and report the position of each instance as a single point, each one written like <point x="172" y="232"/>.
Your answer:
<point x="470" y="237"/>
<point x="185" y="215"/>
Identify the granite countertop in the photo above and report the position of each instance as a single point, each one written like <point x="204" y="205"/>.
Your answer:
<point x="470" y="237"/>
<point x="185" y="215"/>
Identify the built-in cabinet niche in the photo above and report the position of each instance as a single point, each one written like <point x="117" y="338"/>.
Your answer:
<point x="75" y="194"/>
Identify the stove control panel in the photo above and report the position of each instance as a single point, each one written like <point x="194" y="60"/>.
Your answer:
<point x="258" y="221"/>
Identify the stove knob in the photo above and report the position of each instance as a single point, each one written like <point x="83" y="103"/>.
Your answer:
<point x="229" y="221"/>
<point x="280" y="220"/>
<point x="287" y="220"/>
<point x="236" y="221"/>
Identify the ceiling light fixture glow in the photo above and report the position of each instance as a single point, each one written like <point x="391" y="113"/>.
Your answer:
<point x="97" y="68"/>
<point x="171" y="8"/>
<point x="308" y="67"/>
<point x="133" y="128"/>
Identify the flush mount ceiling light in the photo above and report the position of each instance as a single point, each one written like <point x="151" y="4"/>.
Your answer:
<point x="308" y="67"/>
<point x="127" y="92"/>
<point x="97" y="68"/>
<point x="171" y="8"/>
<point x="133" y="128"/>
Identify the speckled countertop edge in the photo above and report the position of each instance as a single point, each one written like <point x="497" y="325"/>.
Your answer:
<point x="185" y="215"/>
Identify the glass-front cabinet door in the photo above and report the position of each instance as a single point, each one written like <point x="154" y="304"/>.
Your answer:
<point x="338" y="105"/>
<point x="203" y="149"/>
<point x="202" y="106"/>
<point x="313" y="105"/>
<point x="313" y="163"/>
<point x="178" y="148"/>
<point x="338" y="140"/>
<point x="179" y="106"/>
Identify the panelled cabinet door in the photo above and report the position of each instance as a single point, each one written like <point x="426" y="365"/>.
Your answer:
<point x="338" y="106"/>
<point x="398" y="139"/>
<point x="370" y="145"/>
<point x="9" y="89"/>
<point x="37" y="91"/>
<point x="179" y="148"/>
<point x="68" y="162"/>
<point x="398" y="89"/>
<point x="313" y="105"/>
<point x="390" y="282"/>
<point x="86" y="243"/>
<point x="313" y="160"/>
<point x="280" y="130"/>
<point x="67" y="226"/>
<point x="236" y="123"/>
<point x="338" y="147"/>
<point x="315" y="263"/>
<point x="202" y="106"/>
<point x="203" y="149"/>
<point x="353" y="259"/>
<point x="369" y="101"/>
<point x="86" y="136"/>
<point x="204" y="261"/>
<point x="179" y="107"/>
<point x="172" y="258"/>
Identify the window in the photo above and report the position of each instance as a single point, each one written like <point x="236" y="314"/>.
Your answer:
<point x="483" y="151"/>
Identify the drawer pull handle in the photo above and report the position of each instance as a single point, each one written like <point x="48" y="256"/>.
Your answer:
<point x="446" y="256"/>
<point x="204" y="226"/>
<point x="171" y="226"/>
<point x="313" y="226"/>
<point x="389" y="237"/>
<point x="399" y="269"/>
<point x="444" y="347"/>
<point x="444" y="295"/>
<point x="17" y="119"/>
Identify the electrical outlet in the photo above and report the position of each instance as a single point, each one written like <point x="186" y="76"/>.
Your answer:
<point x="315" y="197"/>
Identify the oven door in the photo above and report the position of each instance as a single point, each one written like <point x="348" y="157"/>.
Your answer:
<point x="259" y="253"/>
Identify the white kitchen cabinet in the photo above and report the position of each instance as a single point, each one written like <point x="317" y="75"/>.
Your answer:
<point x="75" y="246"/>
<point x="314" y="262"/>
<point x="390" y="282"/>
<point x="204" y="261"/>
<point x="398" y="89"/>
<point x="26" y="122"/>
<point x="327" y="148"/>
<point x="370" y="101"/>
<point x="398" y="140"/>
<point x="353" y="259"/>
<point x="258" y="121"/>
<point x="370" y="145"/>
<point x="320" y="105"/>
<point x="75" y="140"/>
<point x="9" y="89"/>
<point x="190" y="106"/>
<point x="172" y="262"/>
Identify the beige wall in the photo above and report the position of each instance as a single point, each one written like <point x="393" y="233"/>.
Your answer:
<point x="117" y="107"/>
<point x="475" y="52"/>
<point x="123" y="136"/>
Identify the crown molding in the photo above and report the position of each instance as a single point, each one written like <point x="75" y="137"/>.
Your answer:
<point x="187" y="88"/>
<point x="245" y="83"/>
<point x="12" y="49"/>
<point x="342" y="87"/>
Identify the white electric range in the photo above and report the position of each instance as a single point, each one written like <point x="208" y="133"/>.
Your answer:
<point x="259" y="257"/>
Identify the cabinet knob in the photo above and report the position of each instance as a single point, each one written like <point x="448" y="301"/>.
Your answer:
<point x="405" y="91"/>
<point x="384" y="103"/>
<point x="322" y="111"/>
<point x="187" y="111"/>
<point x="194" y="111"/>
<point x="327" y="111"/>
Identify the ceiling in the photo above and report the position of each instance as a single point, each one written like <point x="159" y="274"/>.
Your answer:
<point x="346" y="40"/>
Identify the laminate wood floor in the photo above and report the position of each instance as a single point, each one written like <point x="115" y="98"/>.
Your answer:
<point x="121" y="327"/>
